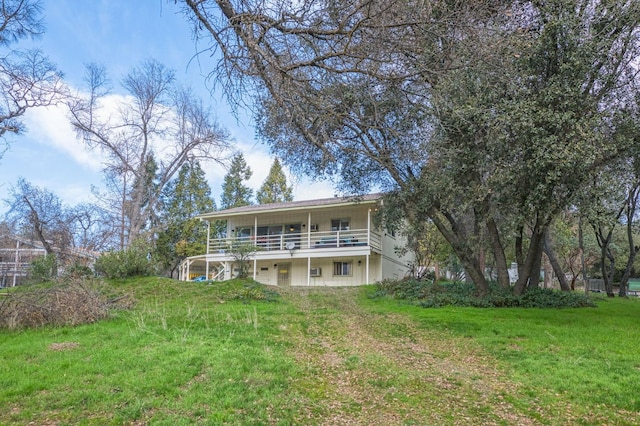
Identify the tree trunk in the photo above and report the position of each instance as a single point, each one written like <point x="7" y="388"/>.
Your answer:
<point x="624" y="281"/>
<point x="605" y="254"/>
<point x="527" y="271"/>
<point x="583" y="265"/>
<point x="608" y="276"/>
<point x="519" y="250"/>
<point x="457" y="238"/>
<point x="498" y="254"/>
<point x="555" y="264"/>
<point x="123" y="212"/>
<point x="534" y="277"/>
<point x="633" y="249"/>
<point x="548" y="272"/>
<point x="37" y="224"/>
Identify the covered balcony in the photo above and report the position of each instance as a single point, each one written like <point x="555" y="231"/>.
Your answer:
<point x="290" y="240"/>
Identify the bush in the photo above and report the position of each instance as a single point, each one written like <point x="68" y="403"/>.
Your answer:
<point x="131" y="262"/>
<point x="77" y="271"/>
<point x="548" y="298"/>
<point x="43" y="269"/>
<point x="409" y="289"/>
<point x="433" y="295"/>
<point x="73" y="303"/>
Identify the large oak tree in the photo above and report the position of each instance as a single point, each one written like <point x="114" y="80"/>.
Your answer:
<point x="484" y="117"/>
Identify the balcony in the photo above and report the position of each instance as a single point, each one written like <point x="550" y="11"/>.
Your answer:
<point x="327" y="241"/>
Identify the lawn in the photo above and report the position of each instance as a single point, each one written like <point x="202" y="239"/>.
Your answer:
<point x="226" y="354"/>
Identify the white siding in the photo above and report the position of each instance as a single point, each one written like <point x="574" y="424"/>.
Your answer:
<point x="316" y="245"/>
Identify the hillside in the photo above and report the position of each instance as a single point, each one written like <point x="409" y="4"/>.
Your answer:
<point x="239" y="353"/>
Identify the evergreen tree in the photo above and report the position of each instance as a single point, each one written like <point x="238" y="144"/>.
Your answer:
<point x="185" y="197"/>
<point x="234" y="192"/>
<point x="275" y="189"/>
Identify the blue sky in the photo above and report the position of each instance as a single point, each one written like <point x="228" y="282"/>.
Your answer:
<point x="119" y="34"/>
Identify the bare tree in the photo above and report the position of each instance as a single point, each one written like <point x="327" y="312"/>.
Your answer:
<point x="40" y="215"/>
<point x="27" y="78"/>
<point x="91" y="227"/>
<point x="146" y="137"/>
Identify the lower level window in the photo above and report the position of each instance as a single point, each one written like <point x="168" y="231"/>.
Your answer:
<point x="342" y="268"/>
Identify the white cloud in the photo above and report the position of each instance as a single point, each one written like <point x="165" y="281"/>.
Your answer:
<point x="50" y="126"/>
<point x="306" y="189"/>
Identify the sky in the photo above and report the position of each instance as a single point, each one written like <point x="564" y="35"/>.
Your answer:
<point x="120" y="34"/>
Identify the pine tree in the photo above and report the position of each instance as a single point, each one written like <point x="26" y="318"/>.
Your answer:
<point x="185" y="197"/>
<point x="275" y="189"/>
<point x="234" y="192"/>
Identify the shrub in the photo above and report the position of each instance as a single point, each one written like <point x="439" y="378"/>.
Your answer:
<point x="78" y="270"/>
<point x="548" y="298"/>
<point x="43" y="269"/>
<point x="432" y="295"/>
<point x="126" y="263"/>
<point x="409" y="288"/>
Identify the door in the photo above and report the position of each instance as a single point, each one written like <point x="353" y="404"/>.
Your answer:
<point x="284" y="274"/>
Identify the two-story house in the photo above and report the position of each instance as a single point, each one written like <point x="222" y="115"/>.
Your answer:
<point x="326" y="242"/>
<point x="16" y="254"/>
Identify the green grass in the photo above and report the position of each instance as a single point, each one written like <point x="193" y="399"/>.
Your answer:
<point x="182" y="353"/>
<point x="588" y="356"/>
<point x="236" y="353"/>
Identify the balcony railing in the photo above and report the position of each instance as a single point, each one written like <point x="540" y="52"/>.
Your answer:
<point x="303" y="240"/>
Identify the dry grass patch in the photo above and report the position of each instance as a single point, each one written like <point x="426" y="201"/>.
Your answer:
<point x="63" y="346"/>
<point x="59" y="304"/>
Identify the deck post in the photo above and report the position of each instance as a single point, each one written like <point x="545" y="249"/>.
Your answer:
<point x="208" y="235"/>
<point x="309" y="230"/>
<point x="368" y="228"/>
<point x="367" y="270"/>
<point x="255" y="268"/>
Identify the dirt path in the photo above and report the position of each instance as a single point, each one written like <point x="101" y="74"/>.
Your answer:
<point x="370" y="369"/>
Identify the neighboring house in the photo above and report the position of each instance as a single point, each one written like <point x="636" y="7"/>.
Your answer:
<point x="17" y="254"/>
<point x="328" y="242"/>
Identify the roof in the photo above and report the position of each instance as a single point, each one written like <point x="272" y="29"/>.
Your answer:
<point x="294" y="205"/>
<point x="37" y="245"/>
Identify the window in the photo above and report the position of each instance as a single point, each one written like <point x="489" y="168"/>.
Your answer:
<point x="243" y="233"/>
<point x="342" y="268"/>
<point x="270" y="236"/>
<point x="339" y="224"/>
